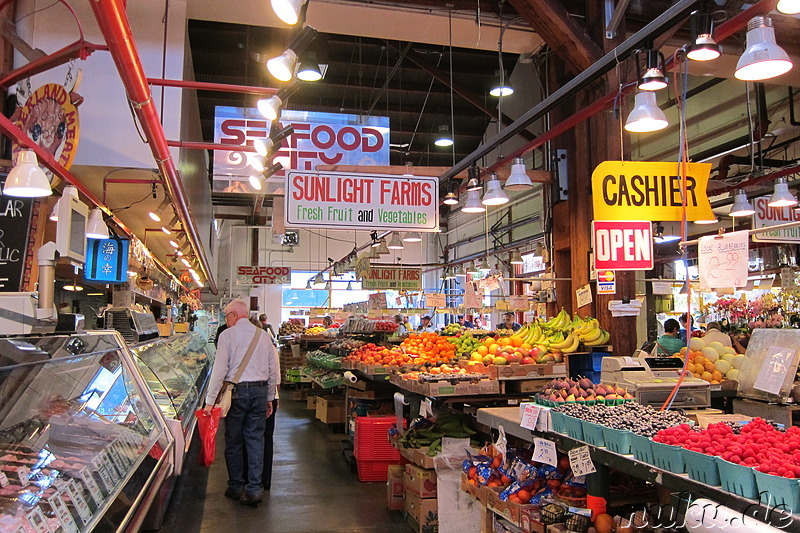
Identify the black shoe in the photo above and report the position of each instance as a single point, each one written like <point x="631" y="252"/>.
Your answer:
<point x="234" y="494"/>
<point x="251" y="499"/>
<point x="266" y="486"/>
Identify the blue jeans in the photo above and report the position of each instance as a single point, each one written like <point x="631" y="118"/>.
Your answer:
<point x="244" y="428"/>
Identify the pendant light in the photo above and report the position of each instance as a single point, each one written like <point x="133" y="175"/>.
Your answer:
<point x="382" y="249"/>
<point x="395" y="243"/>
<point x="646" y="116"/>
<point x="27" y="179"/>
<point x="653" y="78"/>
<point x="460" y="271"/>
<point x="444" y="138"/>
<point x="789" y="7"/>
<point x="451" y="198"/>
<point x="318" y="279"/>
<point x="412" y="236"/>
<point x="782" y="197"/>
<point x="707" y="221"/>
<point x="762" y="58"/>
<point x="270" y="107"/>
<point x="494" y="192"/>
<point x="308" y="68"/>
<point x="349" y="285"/>
<point x="704" y="48"/>
<point x="328" y="285"/>
<point x="288" y="10"/>
<point x="185" y="262"/>
<point x="473" y="203"/>
<point x="484" y="267"/>
<point x="473" y="269"/>
<point x="155" y="215"/>
<point x="501" y="87"/>
<point x="518" y="180"/>
<point x="741" y="205"/>
<point x="308" y="285"/>
<point x="95" y="227"/>
<point x="516" y="258"/>
<point x="666" y="232"/>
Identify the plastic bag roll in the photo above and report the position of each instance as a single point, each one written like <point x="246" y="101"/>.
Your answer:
<point x="349" y="376"/>
<point x="399" y="402"/>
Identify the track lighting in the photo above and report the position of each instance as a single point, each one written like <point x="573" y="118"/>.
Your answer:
<point x="166" y="230"/>
<point x="412" y="236"/>
<point x="646" y="116"/>
<point x="288" y="11"/>
<point x="473" y="203"/>
<point x="473" y="182"/>
<point x="653" y="78"/>
<point x="185" y="262"/>
<point x="518" y="180"/>
<point x="155" y="216"/>
<point x="268" y="147"/>
<point x="789" y="7"/>
<point x="308" y="68"/>
<point x="704" y="48"/>
<point x="282" y="67"/>
<point x="501" y="87"/>
<point x="255" y="163"/>
<point x="494" y="192"/>
<point x="762" y="58"/>
<point x="781" y="196"/>
<point x="271" y="170"/>
<point x="444" y="137"/>
<point x="95" y="226"/>
<point x="270" y="107"/>
<point x="451" y="198"/>
<point x="395" y="243"/>
<point x="27" y="179"/>
<point x="741" y="205"/>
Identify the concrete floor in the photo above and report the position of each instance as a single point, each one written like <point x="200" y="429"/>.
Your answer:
<point x="313" y="488"/>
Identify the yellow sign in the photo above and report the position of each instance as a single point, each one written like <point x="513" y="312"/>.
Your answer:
<point x="50" y="118"/>
<point x="639" y="190"/>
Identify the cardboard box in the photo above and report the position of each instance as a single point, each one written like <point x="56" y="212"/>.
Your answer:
<point x="422" y="514"/>
<point x="518" y="371"/>
<point x="509" y="510"/>
<point x="525" y="385"/>
<point x="418" y="456"/>
<point x="395" y="488"/>
<point x="445" y="388"/>
<point x="311" y="402"/>
<point x="420" y="481"/>
<point x="330" y="410"/>
<point x="470" y="488"/>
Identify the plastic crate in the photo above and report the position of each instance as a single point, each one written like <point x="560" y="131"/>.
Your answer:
<point x="776" y="490"/>
<point x="617" y="441"/>
<point x="593" y="434"/>
<point x="374" y="470"/>
<point x="372" y="439"/>
<point x="738" y="479"/>
<point x="642" y="448"/>
<point x="574" y="427"/>
<point x="667" y="457"/>
<point x="559" y="421"/>
<point x="701" y="467"/>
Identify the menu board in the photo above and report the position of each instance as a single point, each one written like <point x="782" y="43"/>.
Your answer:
<point x="15" y="218"/>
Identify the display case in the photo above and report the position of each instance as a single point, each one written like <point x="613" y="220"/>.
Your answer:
<point x="83" y="445"/>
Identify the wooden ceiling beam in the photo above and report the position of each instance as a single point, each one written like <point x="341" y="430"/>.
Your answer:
<point x="559" y="31"/>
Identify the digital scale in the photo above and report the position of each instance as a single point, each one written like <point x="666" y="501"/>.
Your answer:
<point x="651" y="380"/>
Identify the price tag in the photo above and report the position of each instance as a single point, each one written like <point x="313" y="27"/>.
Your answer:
<point x="38" y="521"/>
<point x="425" y="408"/>
<point x="61" y="512"/>
<point x="584" y="295"/>
<point x="435" y="300"/>
<point x="518" y="302"/>
<point x="3" y="479"/>
<point x="580" y="461"/>
<point x="530" y="415"/>
<point x="94" y="489"/>
<point x="544" y="451"/>
<point x="662" y="287"/>
<point x="78" y="501"/>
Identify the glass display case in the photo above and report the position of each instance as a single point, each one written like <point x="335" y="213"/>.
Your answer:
<point x="83" y="445"/>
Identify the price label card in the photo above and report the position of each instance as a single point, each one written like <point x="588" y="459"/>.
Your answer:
<point x="94" y="489"/>
<point x="79" y="502"/>
<point x="38" y="521"/>
<point x="530" y="415"/>
<point x="501" y="305"/>
<point x="435" y="300"/>
<point x="518" y="302"/>
<point x="61" y="512"/>
<point x="662" y="287"/>
<point x="580" y="461"/>
<point x="425" y="408"/>
<point x="544" y="451"/>
<point x="3" y="479"/>
<point x="584" y="295"/>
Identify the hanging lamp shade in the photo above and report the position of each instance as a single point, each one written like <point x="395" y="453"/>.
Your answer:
<point x="782" y="196"/>
<point x="473" y="182"/>
<point x="444" y="136"/>
<point x="308" y="285"/>
<point x="395" y="243"/>
<point x="95" y="227"/>
<point x="288" y="10"/>
<point x="27" y="179"/>
<point x="282" y="66"/>
<point x="494" y="192"/>
<point x="328" y="285"/>
<point x="484" y="267"/>
<point x="741" y="205"/>
<point x="451" y="198"/>
<point x="318" y="279"/>
<point x="653" y="78"/>
<point x="501" y="86"/>
<point x="349" y="285"/>
<point x="461" y="272"/>
<point x="707" y="221"/>
<point x="270" y="107"/>
<point x="646" y="116"/>
<point x="789" y="7"/>
<point x="473" y="203"/>
<point x="382" y="248"/>
<point x="473" y="269"/>
<point x="412" y="236"/>
<point x="704" y="48"/>
<point x="516" y="258"/>
<point x="308" y="68"/>
<point x="762" y="59"/>
<point x="518" y="180"/>
<point x="449" y="273"/>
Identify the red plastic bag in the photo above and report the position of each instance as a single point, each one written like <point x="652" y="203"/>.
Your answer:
<point x="207" y="426"/>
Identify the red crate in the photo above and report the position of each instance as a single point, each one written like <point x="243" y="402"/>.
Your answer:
<point x="374" y="470"/>
<point x="372" y="439"/>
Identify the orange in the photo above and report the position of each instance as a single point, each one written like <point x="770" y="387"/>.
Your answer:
<point x="493" y="349"/>
<point x="504" y="341"/>
<point x="526" y="346"/>
<point x="488" y="341"/>
<point x="516" y="342"/>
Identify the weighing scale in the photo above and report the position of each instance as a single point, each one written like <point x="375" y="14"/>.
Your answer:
<point x="651" y="380"/>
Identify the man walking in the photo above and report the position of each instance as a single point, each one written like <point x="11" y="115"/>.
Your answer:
<point x="251" y="400"/>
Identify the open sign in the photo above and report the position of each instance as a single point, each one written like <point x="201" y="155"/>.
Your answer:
<point x="622" y="245"/>
<point x="263" y="275"/>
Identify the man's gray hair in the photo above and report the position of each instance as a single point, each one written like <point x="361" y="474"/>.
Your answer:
<point x="239" y="307"/>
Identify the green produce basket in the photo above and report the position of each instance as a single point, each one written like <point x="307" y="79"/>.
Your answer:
<point x="574" y="427"/>
<point x="776" y="490"/>
<point x="593" y="434"/>
<point x="642" y="448"/>
<point x="701" y="467"/>
<point x="617" y="440"/>
<point x="667" y="457"/>
<point x="738" y="479"/>
<point x="559" y="422"/>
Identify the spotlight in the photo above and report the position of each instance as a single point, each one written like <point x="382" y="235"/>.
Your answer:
<point x="282" y="67"/>
<point x="741" y="205"/>
<point x="782" y="197"/>
<point x="494" y="192"/>
<point x="704" y="48"/>
<point x="763" y="58"/>
<point x="501" y="87"/>
<point x="653" y="78"/>
<point x="518" y="180"/>
<point x="395" y="243"/>
<point x="308" y="68"/>
<point x="95" y="227"/>
<point x="474" y="182"/>
<point x="256" y="182"/>
<point x="412" y="236"/>
<point x="789" y="7"/>
<point x="445" y="137"/>
<point x="516" y="258"/>
<point x="473" y="203"/>
<point x="288" y="10"/>
<point x="155" y="216"/>
<point x="646" y="116"/>
<point x="27" y="179"/>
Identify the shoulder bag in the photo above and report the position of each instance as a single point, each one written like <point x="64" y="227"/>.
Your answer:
<point x="226" y="394"/>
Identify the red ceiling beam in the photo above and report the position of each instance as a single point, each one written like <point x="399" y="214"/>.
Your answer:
<point x="192" y="145"/>
<point x="205" y="86"/>
<point x="78" y="50"/>
<point x="114" y="24"/>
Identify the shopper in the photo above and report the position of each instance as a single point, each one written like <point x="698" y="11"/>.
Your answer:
<point x="401" y="325"/>
<point x="669" y="343"/>
<point x="220" y="329"/>
<point x="251" y="402"/>
<point x="509" y="323"/>
<point x="262" y="318"/>
<point x="682" y="334"/>
<point x="327" y="322"/>
<point x="714" y="334"/>
<point x="426" y="325"/>
<point x="465" y="323"/>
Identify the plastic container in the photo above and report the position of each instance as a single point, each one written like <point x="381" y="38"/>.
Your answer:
<point x="574" y="427"/>
<point x="667" y="457"/>
<point x="559" y="421"/>
<point x="593" y="434"/>
<point x="372" y="439"/>
<point x="738" y="479"/>
<point x="775" y="490"/>
<point x="701" y="467"/>
<point x="642" y="448"/>
<point x="617" y="441"/>
<point x="374" y="470"/>
<point x="553" y="514"/>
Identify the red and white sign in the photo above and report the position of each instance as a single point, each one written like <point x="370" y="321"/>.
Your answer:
<point x="339" y="200"/>
<point x="622" y="245"/>
<point x="771" y="216"/>
<point x="263" y="275"/>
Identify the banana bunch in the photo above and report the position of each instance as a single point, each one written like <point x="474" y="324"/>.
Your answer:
<point x="590" y="333"/>
<point x="559" y="322"/>
<point x="567" y="345"/>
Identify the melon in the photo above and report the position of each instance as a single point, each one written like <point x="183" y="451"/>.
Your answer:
<point x="730" y="350"/>
<point x="710" y="353"/>
<point x="738" y="361"/>
<point x="729" y="357"/>
<point x="723" y="367"/>
<point x="696" y="344"/>
<point x="733" y="373"/>
<point x="719" y="347"/>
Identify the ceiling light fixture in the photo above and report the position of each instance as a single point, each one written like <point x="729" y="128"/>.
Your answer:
<point x="288" y="11"/>
<point x="474" y="179"/>
<point x="282" y="66"/>
<point x="256" y="181"/>
<point x="494" y="192"/>
<point x="704" y="48"/>
<point x="174" y="244"/>
<point x="461" y="272"/>
<point x="448" y="274"/>
<point x="762" y="58"/>
<point x="741" y="205"/>
<point x="473" y="269"/>
<point x="375" y="242"/>
<point x="518" y="180"/>
<point x="270" y="107"/>
<point x="273" y="143"/>
<point x="95" y="226"/>
<point x="395" y="243"/>
<point x="166" y="230"/>
<point x="516" y="258"/>
<point x="473" y="203"/>
<point x="318" y="279"/>
<point x="484" y="266"/>
<point x="788" y="7"/>
<point x="27" y="179"/>
<point x="349" y="285"/>
<point x="412" y="236"/>
<point x="185" y="262"/>
<point x="308" y="67"/>
<point x="646" y="116"/>
<point x="271" y="170"/>
<point x="501" y="87"/>
<point x="444" y="137"/>
<point x="382" y="249"/>
<point x="781" y="196"/>
<point x="155" y="216"/>
<point x="707" y="221"/>
<point x="74" y="287"/>
<point x="653" y="78"/>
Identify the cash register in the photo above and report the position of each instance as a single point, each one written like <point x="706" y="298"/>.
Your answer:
<point x="651" y="380"/>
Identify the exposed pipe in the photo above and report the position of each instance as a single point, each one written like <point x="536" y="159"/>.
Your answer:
<point x="205" y="86"/>
<point x="113" y="23"/>
<point x="77" y="50"/>
<point x="192" y="145"/>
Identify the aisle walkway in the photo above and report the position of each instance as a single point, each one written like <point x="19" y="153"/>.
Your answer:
<point x="313" y="488"/>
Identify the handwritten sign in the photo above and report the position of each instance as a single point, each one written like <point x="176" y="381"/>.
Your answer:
<point x="501" y="305"/>
<point x="662" y="287"/>
<point x="15" y="218"/>
<point x="584" y="295"/>
<point x="544" y="451"/>
<point x="580" y="461"/>
<point x="722" y="260"/>
<point x="518" y="302"/>
<point x="530" y="416"/>
<point x="435" y="300"/>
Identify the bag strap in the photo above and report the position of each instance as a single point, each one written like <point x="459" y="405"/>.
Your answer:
<point x="247" y="356"/>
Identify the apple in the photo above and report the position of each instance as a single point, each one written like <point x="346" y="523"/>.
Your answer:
<point x="535" y="352"/>
<point x="523" y="352"/>
<point x="528" y="360"/>
<point x="500" y="360"/>
<point x="514" y="358"/>
<point x="488" y="360"/>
